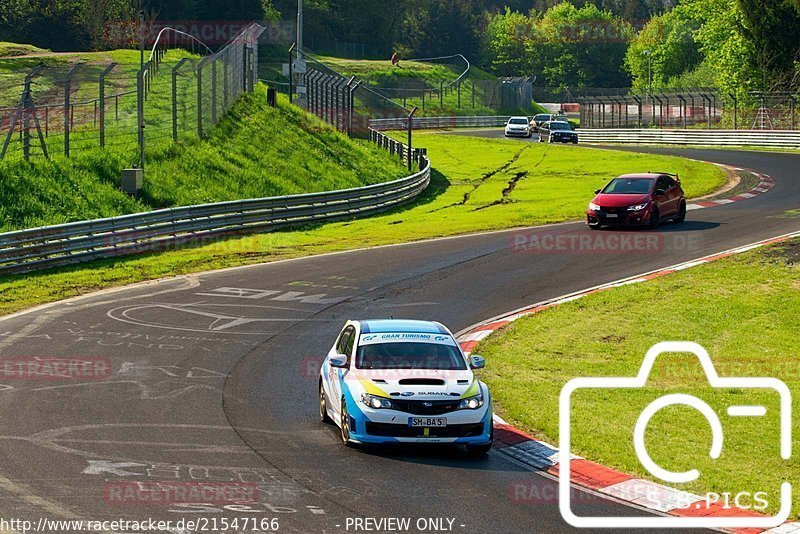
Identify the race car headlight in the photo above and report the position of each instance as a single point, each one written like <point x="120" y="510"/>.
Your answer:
<point x="374" y="402"/>
<point x="637" y="207"/>
<point x="593" y="207"/>
<point x="472" y="403"/>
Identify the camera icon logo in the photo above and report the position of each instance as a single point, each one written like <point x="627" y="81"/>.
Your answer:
<point x="638" y="382"/>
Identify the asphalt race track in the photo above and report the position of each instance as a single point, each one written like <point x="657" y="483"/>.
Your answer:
<point x="214" y="377"/>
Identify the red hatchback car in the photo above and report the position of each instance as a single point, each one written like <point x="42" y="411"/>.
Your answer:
<point x="638" y="200"/>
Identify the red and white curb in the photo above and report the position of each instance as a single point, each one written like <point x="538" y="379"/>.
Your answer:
<point x="765" y="185"/>
<point x="540" y="456"/>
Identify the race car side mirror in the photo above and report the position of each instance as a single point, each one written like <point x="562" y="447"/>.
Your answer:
<point x="477" y="362"/>
<point x="340" y="361"/>
<point x="597" y="191"/>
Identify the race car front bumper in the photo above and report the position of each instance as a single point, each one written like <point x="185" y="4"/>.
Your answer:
<point x="464" y="427"/>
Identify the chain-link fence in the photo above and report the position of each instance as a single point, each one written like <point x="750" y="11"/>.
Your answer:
<point x="345" y="103"/>
<point x="459" y="89"/>
<point x="693" y="107"/>
<point x="77" y="108"/>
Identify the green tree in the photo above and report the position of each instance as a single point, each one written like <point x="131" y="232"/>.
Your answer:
<point x="666" y="47"/>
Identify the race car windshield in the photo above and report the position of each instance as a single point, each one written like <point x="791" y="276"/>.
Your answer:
<point x="559" y="126"/>
<point x="518" y="121"/>
<point x="629" y="186"/>
<point x="410" y="355"/>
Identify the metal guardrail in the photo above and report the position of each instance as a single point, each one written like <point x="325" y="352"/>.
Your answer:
<point x="65" y="244"/>
<point x="761" y="138"/>
<point x="435" y="123"/>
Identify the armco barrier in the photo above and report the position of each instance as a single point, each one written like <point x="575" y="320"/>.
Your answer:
<point x="761" y="138"/>
<point x="435" y="123"/>
<point x="644" y="136"/>
<point x="65" y="244"/>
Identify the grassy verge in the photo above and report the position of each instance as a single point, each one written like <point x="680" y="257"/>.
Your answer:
<point x="743" y="310"/>
<point x="470" y="192"/>
<point x="255" y="151"/>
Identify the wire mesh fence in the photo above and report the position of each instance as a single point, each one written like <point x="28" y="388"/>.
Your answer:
<point x="346" y="103"/>
<point x="80" y="107"/>
<point x="692" y="107"/>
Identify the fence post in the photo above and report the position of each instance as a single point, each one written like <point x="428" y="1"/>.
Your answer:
<point x="214" y="90"/>
<point x="410" y="129"/>
<point x="175" y="70"/>
<point x="291" y="77"/>
<point x="140" y="84"/>
<point x="473" y="94"/>
<point x="67" y="109"/>
<point x="200" y="98"/>
<point x="103" y="103"/>
<point x="244" y="67"/>
<point x="736" y="111"/>
<point x="793" y="105"/>
<point x="224" y="84"/>
<point x="441" y="95"/>
<point x="459" y="95"/>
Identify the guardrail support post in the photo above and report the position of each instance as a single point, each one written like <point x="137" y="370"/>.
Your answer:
<point x="793" y="105"/>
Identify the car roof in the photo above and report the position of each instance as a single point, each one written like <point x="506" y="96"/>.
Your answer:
<point x="519" y="117"/>
<point x="380" y="326"/>
<point x="642" y="175"/>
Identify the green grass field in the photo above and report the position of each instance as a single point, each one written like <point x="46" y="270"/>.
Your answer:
<point x="470" y="192"/>
<point x="743" y="310"/>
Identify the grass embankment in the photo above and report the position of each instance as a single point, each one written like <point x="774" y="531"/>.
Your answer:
<point x="470" y="191"/>
<point x="255" y="151"/>
<point x="743" y="310"/>
<point x="423" y="74"/>
<point x="17" y="49"/>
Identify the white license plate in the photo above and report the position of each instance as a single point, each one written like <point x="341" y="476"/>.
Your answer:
<point x="612" y="215"/>
<point x="427" y="422"/>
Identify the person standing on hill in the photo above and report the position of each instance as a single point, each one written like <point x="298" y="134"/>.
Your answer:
<point x="395" y="59"/>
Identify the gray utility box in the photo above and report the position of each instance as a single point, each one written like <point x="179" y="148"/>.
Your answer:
<point x="132" y="180"/>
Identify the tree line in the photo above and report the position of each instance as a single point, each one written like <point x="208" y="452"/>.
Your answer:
<point x="736" y="45"/>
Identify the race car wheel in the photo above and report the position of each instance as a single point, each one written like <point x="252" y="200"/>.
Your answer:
<point x="655" y="218"/>
<point x="681" y="213"/>
<point x="323" y="406"/>
<point x="481" y="450"/>
<point x="345" y="424"/>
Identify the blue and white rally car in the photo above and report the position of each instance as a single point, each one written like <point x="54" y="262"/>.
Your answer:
<point x="396" y="381"/>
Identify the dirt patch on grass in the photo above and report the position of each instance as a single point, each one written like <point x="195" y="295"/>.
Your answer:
<point x="788" y="252"/>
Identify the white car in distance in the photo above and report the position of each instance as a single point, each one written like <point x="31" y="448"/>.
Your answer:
<point x="519" y="127"/>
